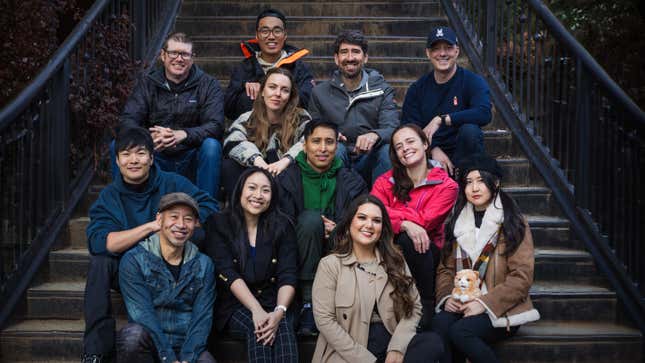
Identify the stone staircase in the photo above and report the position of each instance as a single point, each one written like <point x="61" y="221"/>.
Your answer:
<point x="581" y="319"/>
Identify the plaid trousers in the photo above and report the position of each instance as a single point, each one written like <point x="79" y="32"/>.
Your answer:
<point x="284" y="348"/>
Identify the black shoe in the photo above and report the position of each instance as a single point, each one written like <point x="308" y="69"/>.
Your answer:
<point x="307" y="325"/>
<point x="95" y="358"/>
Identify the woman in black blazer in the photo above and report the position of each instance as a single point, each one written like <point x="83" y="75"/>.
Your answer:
<point x="254" y="249"/>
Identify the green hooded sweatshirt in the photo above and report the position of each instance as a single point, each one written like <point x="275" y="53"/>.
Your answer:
<point x="318" y="188"/>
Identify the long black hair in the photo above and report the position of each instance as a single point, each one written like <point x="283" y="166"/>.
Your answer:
<point x="513" y="226"/>
<point x="271" y="223"/>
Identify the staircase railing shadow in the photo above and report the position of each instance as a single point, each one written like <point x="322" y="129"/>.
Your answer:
<point x="39" y="184"/>
<point x="575" y="124"/>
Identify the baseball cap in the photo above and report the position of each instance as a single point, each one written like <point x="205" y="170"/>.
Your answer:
<point x="441" y="33"/>
<point x="170" y="200"/>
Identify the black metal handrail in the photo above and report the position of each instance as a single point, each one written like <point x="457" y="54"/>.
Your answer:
<point x="575" y="124"/>
<point x="39" y="188"/>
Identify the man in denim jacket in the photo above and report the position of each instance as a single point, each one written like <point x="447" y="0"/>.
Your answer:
<point x="169" y="289"/>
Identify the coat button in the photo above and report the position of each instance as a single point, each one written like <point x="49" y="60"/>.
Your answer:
<point x="273" y="279"/>
<point x="235" y="260"/>
<point x="274" y="261"/>
<point x="259" y="292"/>
<point x="344" y="316"/>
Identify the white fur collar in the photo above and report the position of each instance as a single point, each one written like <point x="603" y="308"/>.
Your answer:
<point x="465" y="228"/>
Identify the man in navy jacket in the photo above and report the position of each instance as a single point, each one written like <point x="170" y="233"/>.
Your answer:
<point x="450" y="103"/>
<point x="123" y="215"/>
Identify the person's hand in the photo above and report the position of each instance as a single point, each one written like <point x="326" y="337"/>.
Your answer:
<point x="394" y="357"/>
<point x="418" y="235"/>
<point x="260" y="318"/>
<point x="154" y="226"/>
<point x="472" y="308"/>
<point x="342" y="138"/>
<point x="164" y="137"/>
<point x="365" y="142"/>
<point x="438" y="155"/>
<point x="252" y="89"/>
<point x="452" y="305"/>
<point x="260" y="163"/>
<point x="278" y="166"/>
<point x="329" y="226"/>
<point x="266" y="334"/>
<point x="432" y="127"/>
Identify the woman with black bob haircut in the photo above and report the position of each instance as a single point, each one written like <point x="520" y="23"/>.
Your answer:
<point x="253" y="246"/>
<point x="488" y="234"/>
<point x="365" y="303"/>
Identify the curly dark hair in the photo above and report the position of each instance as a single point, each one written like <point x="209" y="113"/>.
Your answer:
<point x="393" y="260"/>
<point x="351" y="36"/>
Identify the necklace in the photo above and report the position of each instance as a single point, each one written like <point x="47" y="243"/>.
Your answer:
<point x="362" y="268"/>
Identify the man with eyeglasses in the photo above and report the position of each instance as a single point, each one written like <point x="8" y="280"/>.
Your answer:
<point x="450" y="103"/>
<point x="268" y="50"/>
<point x="182" y="107"/>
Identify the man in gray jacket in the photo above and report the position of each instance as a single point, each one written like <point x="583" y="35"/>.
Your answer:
<point x="361" y="103"/>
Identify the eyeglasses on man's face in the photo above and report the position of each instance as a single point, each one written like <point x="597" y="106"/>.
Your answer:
<point x="173" y="54"/>
<point x="265" y="31"/>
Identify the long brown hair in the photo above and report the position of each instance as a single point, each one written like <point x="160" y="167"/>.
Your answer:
<point x="402" y="182"/>
<point x="259" y="126"/>
<point x="393" y="259"/>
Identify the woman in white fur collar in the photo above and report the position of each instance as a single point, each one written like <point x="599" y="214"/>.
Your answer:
<point x="487" y="233"/>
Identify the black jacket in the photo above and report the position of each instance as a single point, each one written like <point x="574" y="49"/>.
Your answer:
<point x="195" y="107"/>
<point x="236" y="102"/>
<point x="349" y="185"/>
<point x="274" y="266"/>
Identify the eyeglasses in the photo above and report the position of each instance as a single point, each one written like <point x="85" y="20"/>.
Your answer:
<point x="277" y="31"/>
<point x="174" y="54"/>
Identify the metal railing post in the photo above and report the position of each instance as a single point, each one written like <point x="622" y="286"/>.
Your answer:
<point x="582" y="124"/>
<point x="139" y="16"/>
<point x="490" y="24"/>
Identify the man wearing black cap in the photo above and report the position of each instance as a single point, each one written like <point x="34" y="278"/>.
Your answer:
<point x="168" y="287"/>
<point x="450" y="103"/>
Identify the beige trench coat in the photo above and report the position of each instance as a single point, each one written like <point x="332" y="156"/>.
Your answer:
<point x="343" y="314"/>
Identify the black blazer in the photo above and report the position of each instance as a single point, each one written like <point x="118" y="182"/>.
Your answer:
<point x="274" y="266"/>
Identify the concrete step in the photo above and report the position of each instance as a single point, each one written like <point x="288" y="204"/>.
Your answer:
<point x="322" y="66"/>
<point x="313" y="25"/>
<point x="64" y="300"/>
<point x="308" y="8"/>
<point x="544" y="341"/>
<point x="534" y="200"/>
<point x="559" y="301"/>
<point x="379" y="46"/>
<point x="567" y="265"/>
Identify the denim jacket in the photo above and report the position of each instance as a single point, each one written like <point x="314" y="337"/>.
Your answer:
<point x="178" y="315"/>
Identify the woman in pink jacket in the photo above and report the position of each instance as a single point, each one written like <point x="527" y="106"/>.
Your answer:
<point x="418" y="195"/>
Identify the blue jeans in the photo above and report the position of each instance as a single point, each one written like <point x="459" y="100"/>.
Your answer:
<point x="201" y="166"/>
<point x="370" y="166"/>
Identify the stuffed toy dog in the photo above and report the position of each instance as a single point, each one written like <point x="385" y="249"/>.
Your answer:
<point x="466" y="285"/>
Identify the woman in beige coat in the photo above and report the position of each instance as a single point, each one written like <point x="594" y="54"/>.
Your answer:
<point x="365" y="303"/>
<point x="488" y="234"/>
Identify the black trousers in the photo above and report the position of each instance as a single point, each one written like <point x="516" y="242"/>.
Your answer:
<point x="134" y="344"/>
<point x="424" y="347"/>
<point x="100" y="326"/>
<point x="422" y="267"/>
<point x="469" y="337"/>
